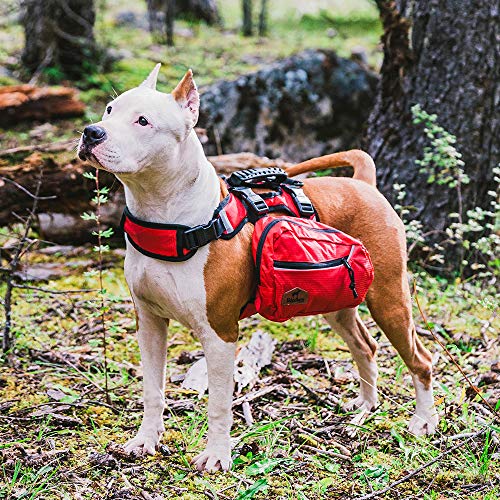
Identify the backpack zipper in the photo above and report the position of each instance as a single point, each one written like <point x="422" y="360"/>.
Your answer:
<point x="328" y="264"/>
<point x="265" y="232"/>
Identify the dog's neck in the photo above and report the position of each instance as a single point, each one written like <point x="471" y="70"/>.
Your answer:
<point x="185" y="191"/>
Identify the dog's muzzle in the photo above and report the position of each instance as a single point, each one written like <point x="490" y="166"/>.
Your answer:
<point x="92" y="136"/>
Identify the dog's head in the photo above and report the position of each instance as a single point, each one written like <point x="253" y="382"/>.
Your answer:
<point x="142" y="127"/>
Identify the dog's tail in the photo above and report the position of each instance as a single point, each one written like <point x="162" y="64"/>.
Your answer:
<point x="361" y="162"/>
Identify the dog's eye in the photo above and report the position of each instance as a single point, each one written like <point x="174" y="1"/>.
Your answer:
<point x="142" y="121"/>
<point x="108" y="109"/>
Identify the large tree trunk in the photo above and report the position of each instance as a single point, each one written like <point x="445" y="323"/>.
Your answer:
<point x="443" y="55"/>
<point x="59" y="33"/>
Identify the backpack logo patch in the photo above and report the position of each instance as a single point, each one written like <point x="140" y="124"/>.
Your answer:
<point x="295" y="296"/>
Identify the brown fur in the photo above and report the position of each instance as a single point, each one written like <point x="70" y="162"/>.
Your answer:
<point x="356" y="208"/>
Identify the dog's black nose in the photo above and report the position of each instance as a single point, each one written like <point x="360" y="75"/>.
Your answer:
<point x="93" y="135"/>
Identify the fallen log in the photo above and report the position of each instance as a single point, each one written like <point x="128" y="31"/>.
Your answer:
<point x="59" y="218"/>
<point x="28" y="102"/>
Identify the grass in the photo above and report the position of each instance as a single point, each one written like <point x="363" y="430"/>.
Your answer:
<point x="62" y="408"/>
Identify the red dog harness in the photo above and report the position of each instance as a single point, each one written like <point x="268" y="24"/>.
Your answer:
<point x="176" y="243"/>
<point x="302" y="267"/>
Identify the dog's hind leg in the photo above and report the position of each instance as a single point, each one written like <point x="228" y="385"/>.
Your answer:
<point x="363" y="347"/>
<point x="389" y="301"/>
<point x="220" y="357"/>
<point x="152" y="338"/>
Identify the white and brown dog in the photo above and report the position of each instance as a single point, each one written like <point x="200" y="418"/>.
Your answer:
<point x="146" y="139"/>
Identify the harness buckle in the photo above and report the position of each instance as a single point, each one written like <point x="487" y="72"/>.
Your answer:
<point x="303" y="203"/>
<point x="253" y="200"/>
<point x="199" y="236"/>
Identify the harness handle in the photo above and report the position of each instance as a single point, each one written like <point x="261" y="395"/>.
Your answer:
<point x="269" y="177"/>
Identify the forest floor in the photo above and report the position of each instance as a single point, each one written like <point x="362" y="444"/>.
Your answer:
<point x="60" y="436"/>
<point x="59" y="430"/>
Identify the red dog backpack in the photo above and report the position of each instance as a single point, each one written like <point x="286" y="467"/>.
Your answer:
<point x="304" y="267"/>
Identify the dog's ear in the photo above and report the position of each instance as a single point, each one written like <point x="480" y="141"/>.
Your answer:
<point x="150" y="81"/>
<point x="187" y="97"/>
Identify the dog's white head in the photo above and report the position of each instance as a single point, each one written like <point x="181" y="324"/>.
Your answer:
<point x="142" y="128"/>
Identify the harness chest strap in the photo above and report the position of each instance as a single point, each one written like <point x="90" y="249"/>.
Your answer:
<point x="176" y="242"/>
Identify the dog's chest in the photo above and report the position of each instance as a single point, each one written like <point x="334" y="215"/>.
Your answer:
<point x="174" y="290"/>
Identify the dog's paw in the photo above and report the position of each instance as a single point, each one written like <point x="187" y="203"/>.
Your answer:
<point x="213" y="459"/>
<point x="362" y="403"/>
<point x="423" y="424"/>
<point x="145" y="442"/>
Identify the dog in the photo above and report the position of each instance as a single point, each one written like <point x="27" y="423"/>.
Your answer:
<point x="147" y="139"/>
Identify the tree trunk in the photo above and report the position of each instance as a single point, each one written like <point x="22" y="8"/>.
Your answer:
<point x="263" y="18"/>
<point x="442" y="55"/>
<point x="155" y="18"/>
<point x="169" y="21"/>
<point x="59" y="34"/>
<point x="247" y="17"/>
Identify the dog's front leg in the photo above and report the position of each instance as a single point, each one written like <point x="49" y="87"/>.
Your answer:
<point x="220" y="363"/>
<point x="152" y="338"/>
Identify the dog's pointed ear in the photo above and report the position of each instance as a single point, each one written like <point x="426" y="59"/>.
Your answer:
<point x="150" y="81"/>
<point x="187" y="97"/>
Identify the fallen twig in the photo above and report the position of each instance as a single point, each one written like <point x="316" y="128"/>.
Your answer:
<point x="326" y="452"/>
<point x="55" y="292"/>
<point x="255" y="394"/>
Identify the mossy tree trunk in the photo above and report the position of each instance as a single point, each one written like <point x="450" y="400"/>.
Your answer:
<point x="59" y="34"/>
<point x="443" y="55"/>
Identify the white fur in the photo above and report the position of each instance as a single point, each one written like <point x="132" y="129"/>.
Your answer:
<point x="167" y="178"/>
<point x="425" y="419"/>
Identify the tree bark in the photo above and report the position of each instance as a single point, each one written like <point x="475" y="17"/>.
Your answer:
<point x="443" y="55"/>
<point x="60" y="34"/>
<point x="247" y="17"/>
<point x="263" y="18"/>
<point x="169" y="21"/>
<point x="27" y="102"/>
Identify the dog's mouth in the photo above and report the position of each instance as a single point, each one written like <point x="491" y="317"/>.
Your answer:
<point x="85" y="154"/>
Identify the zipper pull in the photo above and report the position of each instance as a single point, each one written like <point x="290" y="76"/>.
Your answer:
<point x="350" y="271"/>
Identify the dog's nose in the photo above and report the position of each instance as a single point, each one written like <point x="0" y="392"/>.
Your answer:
<point x="93" y="134"/>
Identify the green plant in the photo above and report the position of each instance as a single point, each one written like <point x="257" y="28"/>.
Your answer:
<point x="102" y="308"/>
<point x="473" y="233"/>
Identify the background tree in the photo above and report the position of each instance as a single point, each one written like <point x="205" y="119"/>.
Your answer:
<point x="170" y="6"/>
<point x="263" y="18"/>
<point x="247" y="17"/>
<point x="59" y="34"/>
<point x="442" y="55"/>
